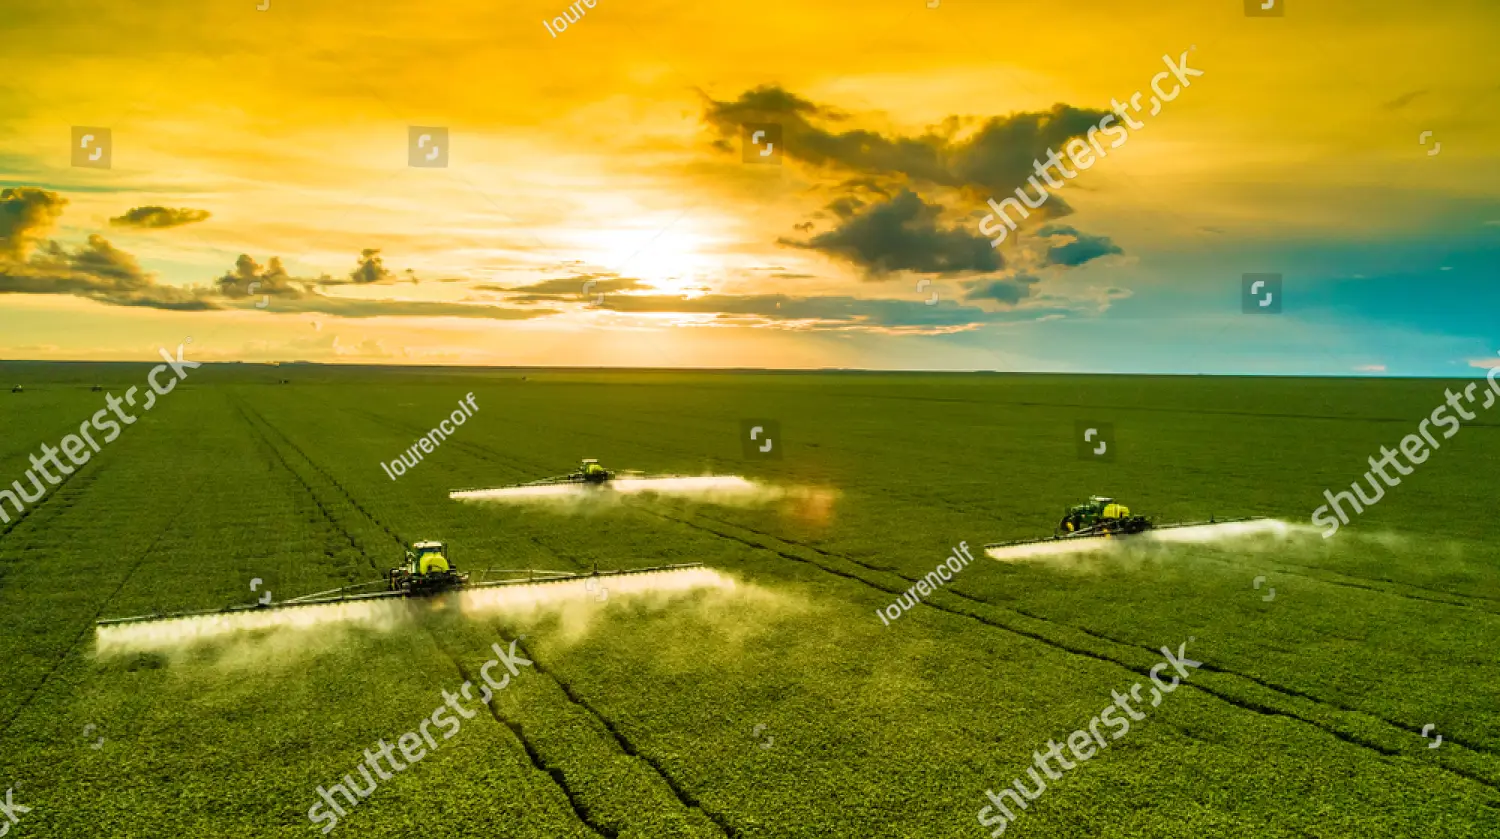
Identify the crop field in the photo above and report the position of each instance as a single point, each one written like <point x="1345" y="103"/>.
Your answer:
<point x="775" y="702"/>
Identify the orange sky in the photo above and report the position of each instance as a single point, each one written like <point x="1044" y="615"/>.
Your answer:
<point x="611" y="153"/>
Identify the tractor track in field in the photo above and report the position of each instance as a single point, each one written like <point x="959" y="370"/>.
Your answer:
<point x="65" y="485"/>
<point x="557" y="775"/>
<point x="1272" y="686"/>
<point x="1248" y="704"/>
<point x="1440" y="595"/>
<point x="1344" y="583"/>
<point x="277" y="457"/>
<point x="545" y="469"/>
<point x="579" y="810"/>
<point x="1244" y="703"/>
<point x="457" y="445"/>
<point x="89" y="625"/>
<point x="74" y="495"/>
<point x="686" y="798"/>
<point x="621" y="740"/>
<point x="1240" y="702"/>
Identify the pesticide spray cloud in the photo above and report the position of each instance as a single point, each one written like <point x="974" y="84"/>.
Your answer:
<point x="720" y="489"/>
<point x="1249" y="533"/>
<point x="811" y="503"/>
<point x="294" y="628"/>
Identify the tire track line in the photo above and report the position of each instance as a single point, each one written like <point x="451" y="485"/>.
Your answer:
<point x="1239" y="702"/>
<point x="1246" y="703"/>
<point x="1290" y="692"/>
<point x="609" y="725"/>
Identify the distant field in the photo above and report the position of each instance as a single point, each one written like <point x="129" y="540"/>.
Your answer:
<point x="782" y="708"/>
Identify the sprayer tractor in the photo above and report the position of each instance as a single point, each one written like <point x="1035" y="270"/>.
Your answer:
<point x="1100" y="516"/>
<point x="426" y="570"/>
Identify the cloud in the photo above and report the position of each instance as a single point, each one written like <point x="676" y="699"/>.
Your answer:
<point x="371" y="269"/>
<point x="153" y="217"/>
<point x="26" y="214"/>
<point x="1403" y="100"/>
<point x="249" y="279"/>
<point x="98" y="271"/>
<point x="348" y="307"/>
<point x="830" y="313"/>
<point x="902" y="234"/>
<point x="994" y="157"/>
<point x="32" y="264"/>
<point x="1009" y="292"/>
<point x="1370" y="368"/>
<point x="567" y="288"/>
<point x="1077" y="248"/>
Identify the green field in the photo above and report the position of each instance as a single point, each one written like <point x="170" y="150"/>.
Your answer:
<point x="782" y="708"/>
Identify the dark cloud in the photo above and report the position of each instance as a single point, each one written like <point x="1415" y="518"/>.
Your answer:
<point x="996" y="156"/>
<point x="98" y="271"/>
<point x="26" y="214"/>
<point x="1076" y="247"/>
<point x="158" y="217"/>
<point x="32" y="264"/>
<point x="1403" y="100"/>
<point x="371" y="269"/>
<point x="904" y="234"/>
<point x="1009" y="291"/>
<point x="563" y="288"/>
<point x="834" y="313"/>
<point x="354" y="308"/>
<point x="830" y="312"/>
<point x="249" y="279"/>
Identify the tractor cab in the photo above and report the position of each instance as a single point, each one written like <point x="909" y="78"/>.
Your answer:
<point x="1100" y="514"/>
<point x="16" y="389"/>
<point x="426" y="569"/>
<point x="592" y="472"/>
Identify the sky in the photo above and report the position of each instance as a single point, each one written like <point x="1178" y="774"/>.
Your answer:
<point x="590" y="191"/>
